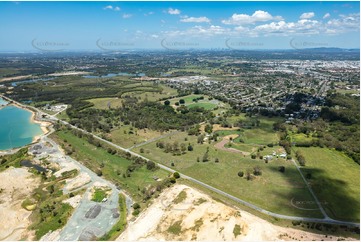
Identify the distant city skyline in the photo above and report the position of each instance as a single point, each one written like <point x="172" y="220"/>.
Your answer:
<point x="111" y="26"/>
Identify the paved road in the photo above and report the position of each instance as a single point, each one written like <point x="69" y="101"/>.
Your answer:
<point x="276" y="215"/>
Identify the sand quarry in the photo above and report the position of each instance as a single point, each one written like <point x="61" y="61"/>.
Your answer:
<point x="199" y="217"/>
<point x="15" y="186"/>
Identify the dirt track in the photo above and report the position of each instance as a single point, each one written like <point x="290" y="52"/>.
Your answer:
<point x="220" y="145"/>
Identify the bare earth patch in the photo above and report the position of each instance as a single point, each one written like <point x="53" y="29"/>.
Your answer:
<point x="199" y="217"/>
<point x="16" y="184"/>
<point x="220" y="145"/>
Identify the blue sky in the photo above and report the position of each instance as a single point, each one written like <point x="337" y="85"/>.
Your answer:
<point x="33" y="26"/>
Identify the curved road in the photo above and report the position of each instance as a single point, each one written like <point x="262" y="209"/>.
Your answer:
<point x="326" y="219"/>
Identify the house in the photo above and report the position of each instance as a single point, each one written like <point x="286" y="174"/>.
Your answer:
<point x="283" y="155"/>
<point x="267" y="157"/>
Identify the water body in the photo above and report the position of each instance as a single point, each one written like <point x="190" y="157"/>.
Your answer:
<point x="16" y="127"/>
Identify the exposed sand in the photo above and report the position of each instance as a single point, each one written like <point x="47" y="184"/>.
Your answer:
<point x="73" y="201"/>
<point x="14" y="78"/>
<point x="79" y="181"/>
<point x="201" y="218"/>
<point x="69" y="73"/>
<point x="14" y="219"/>
<point x="217" y="127"/>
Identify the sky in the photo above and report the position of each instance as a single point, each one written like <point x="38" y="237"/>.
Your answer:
<point x="111" y="26"/>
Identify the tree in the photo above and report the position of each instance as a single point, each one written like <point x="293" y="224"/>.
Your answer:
<point x="200" y="139"/>
<point x="253" y="156"/>
<point x="257" y="171"/>
<point x="208" y="128"/>
<point x="99" y="172"/>
<point x="141" y="150"/>
<point x="167" y="102"/>
<point x="205" y="157"/>
<point x="282" y="169"/>
<point x="240" y="173"/>
<point x="216" y="160"/>
<point x="249" y="176"/>
<point x="150" y="165"/>
<point x="181" y="101"/>
<point x="136" y="206"/>
<point x="176" y="175"/>
<point x="183" y="147"/>
<point x="176" y="103"/>
<point x="190" y="147"/>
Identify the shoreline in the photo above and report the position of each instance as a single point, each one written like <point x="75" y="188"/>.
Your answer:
<point x="44" y="126"/>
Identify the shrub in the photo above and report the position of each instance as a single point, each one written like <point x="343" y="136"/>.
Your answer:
<point x="176" y="175"/>
<point x="240" y="173"/>
<point x="136" y="206"/>
<point x="282" y="169"/>
<point x="257" y="171"/>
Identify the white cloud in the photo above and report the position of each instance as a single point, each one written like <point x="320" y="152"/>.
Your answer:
<point x="257" y="16"/>
<point x="345" y="23"/>
<point x="108" y="7"/>
<point x="199" y="31"/>
<point x="302" y="27"/>
<point x="126" y="15"/>
<point x="327" y="15"/>
<point x="174" y="11"/>
<point x="307" y="15"/>
<point x="196" y="20"/>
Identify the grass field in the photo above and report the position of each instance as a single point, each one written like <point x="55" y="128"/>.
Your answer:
<point x="205" y="103"/>
<point x="114" y="166"/>
<point x="300" y="138"/>
<point x="272" y="190"/>
<point x="114" y="102"/>
<point x="106" y="102"/>
<point x="127" y="137"/>
<point x="335" y="180"/>
<point x="154" y="96"/>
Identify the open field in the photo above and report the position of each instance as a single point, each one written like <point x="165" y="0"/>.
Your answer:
<point x="335" y="180"/>
<point x="106" y="102"/>
<point x="204" y="103"/>
<point x="154" y="96"/>
<point x="162" y="91"/>
<point x="272" y="190"/>
<point x="114" y="167"/>
<point x="126" y="136"/>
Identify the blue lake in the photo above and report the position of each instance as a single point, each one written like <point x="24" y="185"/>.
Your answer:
<point x="16" y="127"/>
